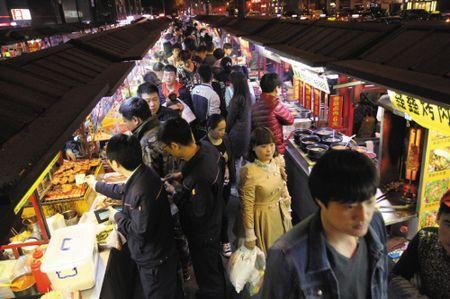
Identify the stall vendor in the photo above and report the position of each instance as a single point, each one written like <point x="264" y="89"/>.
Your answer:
<point x="145" y="220"/>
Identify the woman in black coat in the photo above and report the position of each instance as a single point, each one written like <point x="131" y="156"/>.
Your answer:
<point x="239" y="116"/>
<point x="216" y="136"/>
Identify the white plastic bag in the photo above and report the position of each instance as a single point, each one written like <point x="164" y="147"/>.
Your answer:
<point x="246" y="266"/>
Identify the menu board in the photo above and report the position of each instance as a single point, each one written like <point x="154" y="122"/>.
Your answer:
<point x="436" y="177"/>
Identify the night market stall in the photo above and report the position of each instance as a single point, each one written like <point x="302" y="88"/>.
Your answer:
<point x="53" y="103"/>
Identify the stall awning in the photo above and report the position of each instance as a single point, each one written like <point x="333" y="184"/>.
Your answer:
<point x="248" y="26"/>
<point x="126" y="43"/>
<point x="44" y="98"/>
<point x="324" y="42"/>
<point x="413" y="60"/>
<point x="14" y="35"/>
<point x="279" y="32"/>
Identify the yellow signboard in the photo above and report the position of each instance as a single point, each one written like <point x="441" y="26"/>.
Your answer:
<point x="436" y="177"/>
<point x="30" y="191"/>
<point x="427" y="115"/>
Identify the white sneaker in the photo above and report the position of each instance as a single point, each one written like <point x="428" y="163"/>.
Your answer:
<point x="226" y="250"/>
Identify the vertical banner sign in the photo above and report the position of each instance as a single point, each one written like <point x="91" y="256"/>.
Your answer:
<point x="301" y="94"/>
<point x="427" y="115"/>
<point x="317" y="100"/>
<point x="436" y="177"/>
<point x="335" y="111"/>
<point x="296" y="88"/>
<point x="307" y="96"/>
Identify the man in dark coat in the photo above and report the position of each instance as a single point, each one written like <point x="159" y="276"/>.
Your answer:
<point x="200" y="203"/>
<point x="145" y="218"/>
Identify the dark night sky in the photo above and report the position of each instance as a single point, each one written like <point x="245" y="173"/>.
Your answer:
<point x="157" y="5"/>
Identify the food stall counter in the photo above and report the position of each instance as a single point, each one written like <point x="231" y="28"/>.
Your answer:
<point x="298" y="165"/>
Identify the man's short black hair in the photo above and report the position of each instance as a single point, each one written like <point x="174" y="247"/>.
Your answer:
<point x="178" y="46"/>
<point x="205" y="73"/>
<point x="227" y="46"/>
<point x="201" y="49"/>
<point x="147" y="88"/>
<point x="344" y="176"/>
<point x="185" y="55"/>
<point x="175" y="130"/>
<point x="218" y="53"/>
<point x="152" y="78"/>
<point x="269" y="82"/>
<point x="125" y="150"/>
<point x="209" y="46"/>
<point x="158" y="67"/>
<point x="135" y="107"/>
<point x="170" y="68"/>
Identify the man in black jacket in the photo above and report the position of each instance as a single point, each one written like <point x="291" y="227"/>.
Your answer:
<point x="200" y="203"/>
<point x="145" y="218"/>
<point x="149" y="93"/>
<point x="138" y="119"/>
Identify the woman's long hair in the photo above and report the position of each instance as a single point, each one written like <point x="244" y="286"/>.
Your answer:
<point x="241" y="90"/>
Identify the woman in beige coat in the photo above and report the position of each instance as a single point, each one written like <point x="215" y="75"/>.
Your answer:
<point x="265" y="201"/>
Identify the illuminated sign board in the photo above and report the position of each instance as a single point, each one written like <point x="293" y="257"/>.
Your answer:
<point x="21" y="14"/>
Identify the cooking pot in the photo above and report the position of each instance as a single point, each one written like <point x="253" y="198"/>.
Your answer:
<point x="71" y="217"/>
<point x="308" y="140"/>
<point x="340" y="146"/>
<point x="315" y="151"/>
<point x="330" y="140"/>
<point x="299" y="133"/>
<point x="324" y="132"/>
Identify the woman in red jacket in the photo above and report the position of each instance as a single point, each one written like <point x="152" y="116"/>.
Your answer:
<point x="270" y="112"/>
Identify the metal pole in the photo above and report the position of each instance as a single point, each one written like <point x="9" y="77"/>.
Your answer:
<point x="163" y="7"/>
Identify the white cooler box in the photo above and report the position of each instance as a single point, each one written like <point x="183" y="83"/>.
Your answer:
<point x="71" y="258"/>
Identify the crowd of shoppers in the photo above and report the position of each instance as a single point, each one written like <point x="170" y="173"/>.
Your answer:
<point x="198" y="131"/>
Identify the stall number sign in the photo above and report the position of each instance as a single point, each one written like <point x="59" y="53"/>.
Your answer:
<point x="335" y="114"/>
<point x="312" y="79"/>
<point x="427" y="115"/>
<point x="21" y="14"/>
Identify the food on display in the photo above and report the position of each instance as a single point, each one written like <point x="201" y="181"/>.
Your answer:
<point x="63" y="179"/>
<point x="104" y="234"/>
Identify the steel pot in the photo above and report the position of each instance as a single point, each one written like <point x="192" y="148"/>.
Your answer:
<point x="308" y="140"/>
<point x="316" y="151"/>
